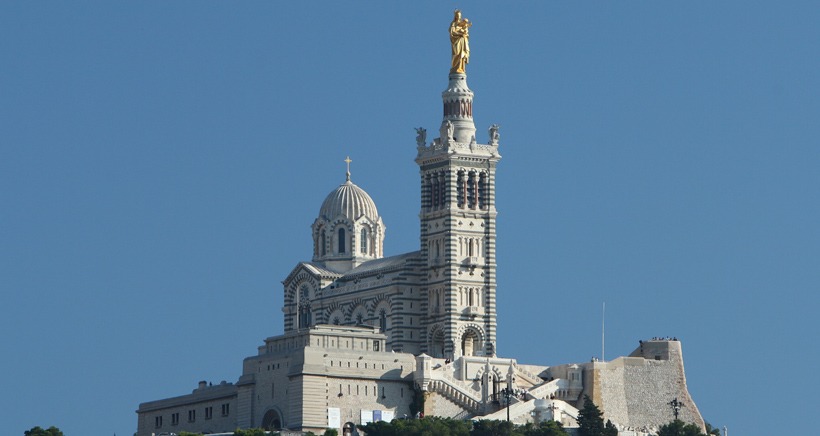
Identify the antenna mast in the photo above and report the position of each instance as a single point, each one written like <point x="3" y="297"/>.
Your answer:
<point x="603" y="330"/>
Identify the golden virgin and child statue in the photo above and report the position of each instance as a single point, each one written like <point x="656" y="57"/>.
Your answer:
<point x="460" y="41"/>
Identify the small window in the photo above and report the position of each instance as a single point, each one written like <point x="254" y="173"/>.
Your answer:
<point x="341" y="241"/>
<point x="363" y="242"/>
<point x="209" y="412"/>
<point x="174" y="418"/>
<point x="191" y="415"/>
<point x="226" y="409"/>
<point x="158" y="422"/>
<point x="375" y="345"/>
<point x="383" y="320"/>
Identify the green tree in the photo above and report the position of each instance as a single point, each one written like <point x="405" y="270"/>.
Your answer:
<point x="712" y="430"/>
<point x="38" y="431"/>
<point x="610" y="429"/>
<point x="590" y="420"/>
<point x="249" y="432"/>
<point x="331" y="432"/>
<point x="417" y="405"/>
<point x="488" y="427"/>
<point x="431" y="426"/>
<point x="185" y="433"/>
<point x="679" y="428"/>
<point x="545" y="428"/>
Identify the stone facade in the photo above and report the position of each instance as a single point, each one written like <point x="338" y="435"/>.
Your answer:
<point x="208" y="409"/>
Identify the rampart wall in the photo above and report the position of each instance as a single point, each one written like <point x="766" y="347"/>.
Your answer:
<point x="637" y="391"/>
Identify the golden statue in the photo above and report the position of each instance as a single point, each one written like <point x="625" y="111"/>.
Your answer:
<point x="460" y="40"/>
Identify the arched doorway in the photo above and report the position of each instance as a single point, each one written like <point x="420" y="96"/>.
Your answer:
<point x="272" y="420"/>
<point x="437" y="343"/>
<point x="470" y="343"/>
<point x="349" y="429"/>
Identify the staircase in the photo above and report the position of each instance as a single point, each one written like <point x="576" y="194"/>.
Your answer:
<point x="546" y="389"/>
<point x="456" y="394"/>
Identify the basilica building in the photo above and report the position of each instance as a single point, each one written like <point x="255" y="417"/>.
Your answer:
<point x="368" y="337"/>
<point x="439" y="300"/>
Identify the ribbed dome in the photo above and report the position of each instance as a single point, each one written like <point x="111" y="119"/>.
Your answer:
<point x="351" y="201"/>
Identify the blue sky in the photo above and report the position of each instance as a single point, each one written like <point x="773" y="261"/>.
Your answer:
<point x="161" y="162"/>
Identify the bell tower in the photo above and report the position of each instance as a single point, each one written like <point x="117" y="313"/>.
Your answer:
<point x="457" y="219"/>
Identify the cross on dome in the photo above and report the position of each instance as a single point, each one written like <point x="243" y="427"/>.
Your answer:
<point x="347" y="160"/>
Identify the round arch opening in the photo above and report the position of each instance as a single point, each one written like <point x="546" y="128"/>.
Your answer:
<point x="272" y="420"/>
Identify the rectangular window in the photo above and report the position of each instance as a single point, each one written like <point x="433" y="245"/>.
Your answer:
<point x="158" y="422"/>
<point x="375" y="345"/>
<point x="209" y="412"/>
<point x="226" y="409"/>
<point x="191" y="415"/>
<point x="174" y="418"/>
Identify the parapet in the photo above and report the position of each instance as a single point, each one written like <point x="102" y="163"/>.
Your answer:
<point x="658" y="349"/>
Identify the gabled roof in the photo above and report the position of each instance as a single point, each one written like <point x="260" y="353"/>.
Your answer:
<point x="312" y="269"/>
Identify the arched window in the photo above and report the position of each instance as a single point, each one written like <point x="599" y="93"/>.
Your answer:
<point x="383" y="320"/>
<point x="304" y="317"/>
<point x="363" y="242"/>
<point x="434" y="193"/>
<point x="341" y="241"/>
<point x="461" y="186"/>
<point x="323" y="243"/>
<point x="442" y="186"/>
<point x="482" y="191"/>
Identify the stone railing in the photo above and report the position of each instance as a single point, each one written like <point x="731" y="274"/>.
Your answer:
<point x="517" y="411"/>
<point x="546" y="389"/>
<point x="456" y="394"/>
<point x="528" y="376"/>
<point x="443" y="381"/>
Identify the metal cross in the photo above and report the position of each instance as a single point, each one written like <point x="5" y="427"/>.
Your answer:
<point x="347" y="160"/>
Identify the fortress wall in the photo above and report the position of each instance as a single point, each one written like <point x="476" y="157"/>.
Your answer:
<point x="612" y="390"/>
<point x="636" y="391"/>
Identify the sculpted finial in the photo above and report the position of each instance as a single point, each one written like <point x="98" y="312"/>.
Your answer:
<point x="347" y="161"/>
<point x="460" y="41"/>
<point x="494" y="136"/>
<point x="421" y="136"/>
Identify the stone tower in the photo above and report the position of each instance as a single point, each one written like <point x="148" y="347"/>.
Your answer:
<point x="458" y="218"/>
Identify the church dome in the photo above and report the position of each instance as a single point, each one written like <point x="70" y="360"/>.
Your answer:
<point x="350" y="201"/>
